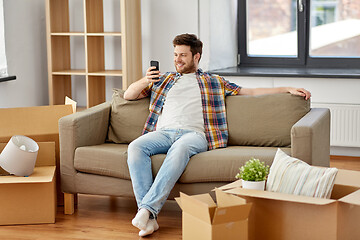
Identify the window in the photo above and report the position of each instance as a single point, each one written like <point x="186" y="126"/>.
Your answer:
<point x="311" y="33"/>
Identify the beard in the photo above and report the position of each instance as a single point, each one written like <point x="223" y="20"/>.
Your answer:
<point x="187" y="68"/>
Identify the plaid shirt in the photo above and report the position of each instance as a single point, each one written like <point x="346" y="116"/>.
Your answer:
<point x="213" y="91"/>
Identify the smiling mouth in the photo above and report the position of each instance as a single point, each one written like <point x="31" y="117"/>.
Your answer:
<point x="180" y="65"/>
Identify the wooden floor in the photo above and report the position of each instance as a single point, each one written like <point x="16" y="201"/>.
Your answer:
<point x="341" y="162"/>
<point x="101" y="217"/>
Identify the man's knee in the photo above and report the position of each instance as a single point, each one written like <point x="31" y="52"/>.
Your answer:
<point x="137" y="145"/>
<point x="135" y="152"/>
<point x="133" y="146"/>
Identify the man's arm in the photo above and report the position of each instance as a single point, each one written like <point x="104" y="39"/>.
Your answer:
<point x="134" y="90"/>
<point x="260" y="91"/>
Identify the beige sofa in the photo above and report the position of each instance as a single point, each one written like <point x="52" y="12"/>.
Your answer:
<point x="93" y="143"/>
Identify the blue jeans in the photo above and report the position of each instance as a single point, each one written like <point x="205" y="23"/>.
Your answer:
<point x="178" y="145"/>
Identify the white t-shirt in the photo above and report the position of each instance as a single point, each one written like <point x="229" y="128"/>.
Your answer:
<point x="183" y="106"/>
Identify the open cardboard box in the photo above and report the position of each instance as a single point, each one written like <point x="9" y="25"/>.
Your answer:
<point x="284" y="216"/>
<point x="30" y="200"/>
<point x="39" y="123"/>
<point x="203" y="219"/>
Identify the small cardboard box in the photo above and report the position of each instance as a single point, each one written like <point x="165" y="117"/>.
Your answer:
<point x="39" y="123"/>
<point x="286" y="216"/>
<point x="203" y="219"/>
<point x="30" y="200"/>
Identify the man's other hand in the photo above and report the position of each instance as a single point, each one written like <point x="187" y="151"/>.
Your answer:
<point x="300" y="92"/>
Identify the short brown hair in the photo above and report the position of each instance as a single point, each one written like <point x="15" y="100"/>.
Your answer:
<point x="189" y="40"/>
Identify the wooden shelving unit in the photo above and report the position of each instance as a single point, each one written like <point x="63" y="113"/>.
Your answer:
<point x="58" y="46"/>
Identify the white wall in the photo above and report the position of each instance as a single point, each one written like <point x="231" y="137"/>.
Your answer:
<point x="323" y="90"/>
<point x="162" y="20"/>
<point x="3" y="63"/>
<point x="25" y="40"/>
<point x="25" y="36"/>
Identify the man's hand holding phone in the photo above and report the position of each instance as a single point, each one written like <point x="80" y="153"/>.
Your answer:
<point x="153" y="73"/>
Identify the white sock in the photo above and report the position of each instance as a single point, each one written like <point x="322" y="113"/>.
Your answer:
<point x="141" y="219"/>
<point x="151" y="227"/>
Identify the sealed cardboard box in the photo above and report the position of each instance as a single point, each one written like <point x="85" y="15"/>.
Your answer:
<point x="203" y="219"/>
<point x="285" y="216"/>
<point x="39" y="123"/>
<point x="30" y="200"/>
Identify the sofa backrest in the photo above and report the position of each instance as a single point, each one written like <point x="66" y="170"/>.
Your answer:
<point x="252" y="120"/>
<point x="264" y="120"/>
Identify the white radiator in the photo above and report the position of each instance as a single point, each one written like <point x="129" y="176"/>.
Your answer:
<point x="345" y="124"/>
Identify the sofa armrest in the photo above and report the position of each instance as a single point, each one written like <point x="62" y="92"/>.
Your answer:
<point x="310" y="137"/>
<point x="85" y="128"/>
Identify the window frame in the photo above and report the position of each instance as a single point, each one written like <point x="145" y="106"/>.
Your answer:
<point x="303" y="60"/>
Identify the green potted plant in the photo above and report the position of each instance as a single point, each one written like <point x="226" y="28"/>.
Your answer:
<point x="253" y="174"/>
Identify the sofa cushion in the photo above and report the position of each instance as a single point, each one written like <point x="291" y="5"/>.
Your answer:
<point x="222" y="164"/>
<point x="263" y="120"/>
<point x="107" y="159"/>
<point x="127" y="118"/>
<point x="293" y="176"/>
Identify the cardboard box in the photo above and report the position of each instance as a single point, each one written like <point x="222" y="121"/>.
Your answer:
<point x="30" y="200"/>
<point x="286" y="216"/>
<point x="203" y="219"/>
<point x="38" y="123"/>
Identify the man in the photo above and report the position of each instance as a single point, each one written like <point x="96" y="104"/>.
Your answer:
<point x="187" y="116"/>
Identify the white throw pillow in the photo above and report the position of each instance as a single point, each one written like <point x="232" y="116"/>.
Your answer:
<point x="293" y="176"/>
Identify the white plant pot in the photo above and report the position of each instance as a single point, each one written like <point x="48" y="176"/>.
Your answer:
<point x="257" y="185"/>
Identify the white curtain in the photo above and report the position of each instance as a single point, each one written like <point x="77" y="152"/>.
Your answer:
<point x="3" y="63"/>
<point x="218" y="32"/>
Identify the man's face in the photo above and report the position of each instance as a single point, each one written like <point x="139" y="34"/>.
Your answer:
<point x="184" y="61"/>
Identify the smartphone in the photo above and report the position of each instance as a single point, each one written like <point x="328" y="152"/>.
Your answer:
<point x="155" y="64"/>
